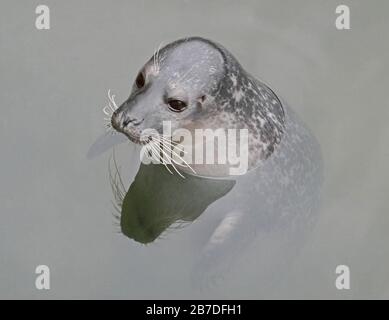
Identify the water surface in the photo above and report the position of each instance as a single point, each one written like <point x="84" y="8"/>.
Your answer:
<point x="57" y="206"/>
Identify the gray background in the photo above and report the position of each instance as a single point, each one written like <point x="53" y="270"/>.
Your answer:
<point x="55" y="204"/>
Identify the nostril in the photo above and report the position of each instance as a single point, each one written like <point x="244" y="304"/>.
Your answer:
<point x="133" y="121"/>
<point x="126" y="122"/>
<point x="137" y="123"/>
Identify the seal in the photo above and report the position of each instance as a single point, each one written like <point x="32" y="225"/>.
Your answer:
<point x="196" y="83"/>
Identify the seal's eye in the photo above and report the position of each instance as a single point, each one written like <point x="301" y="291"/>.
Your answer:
<point x="140" y="80"/>
<point x="176" y="105"/>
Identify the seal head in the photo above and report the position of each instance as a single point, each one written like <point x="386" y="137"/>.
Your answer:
<point x="197" y="84"/>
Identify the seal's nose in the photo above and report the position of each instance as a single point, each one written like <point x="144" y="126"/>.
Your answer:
<point x="115" y="120"/>
<point x="127" y="119"/>
<point x="120" y="120"/>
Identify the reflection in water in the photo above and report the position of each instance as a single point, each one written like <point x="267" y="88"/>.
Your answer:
<point x="157" y="200"/>
<point x="271" y="209"/>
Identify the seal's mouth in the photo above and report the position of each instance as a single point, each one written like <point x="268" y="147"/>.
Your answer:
<point x="128" y="128"/>
<point x="133" y="135"/>
<point x="136" y="137"/>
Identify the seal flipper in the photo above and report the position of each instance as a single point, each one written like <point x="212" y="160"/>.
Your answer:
<point x="225" y="244"/>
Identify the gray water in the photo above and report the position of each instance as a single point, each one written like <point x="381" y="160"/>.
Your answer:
<point x="56" y="205"/>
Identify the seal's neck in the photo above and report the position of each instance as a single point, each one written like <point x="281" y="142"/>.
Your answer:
<point x="253" y="105"/>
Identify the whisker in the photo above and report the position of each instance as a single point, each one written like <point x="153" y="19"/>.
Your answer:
<point x="107" y="112"/>
<point x="170" y="143"/>
<point x="182" y="159"/>
<point x="112" y="100"/>
<point x="151" y="153"/>
<point x="171" y="161"/>
<point x="117" y="170"/>
<point x="164" y="145"/>
<point x="154" y="60"/>
<point x="158" y="60"/>
<point x="117" y="188"/>
<point x="110" y="108"/>
<point x="161" y="161"/>
<point x="163" y="142"/>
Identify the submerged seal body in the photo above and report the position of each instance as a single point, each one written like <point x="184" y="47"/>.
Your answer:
<point x="197" y="84"/>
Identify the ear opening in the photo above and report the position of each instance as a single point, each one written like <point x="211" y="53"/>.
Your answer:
<point x="202" y="98"/>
